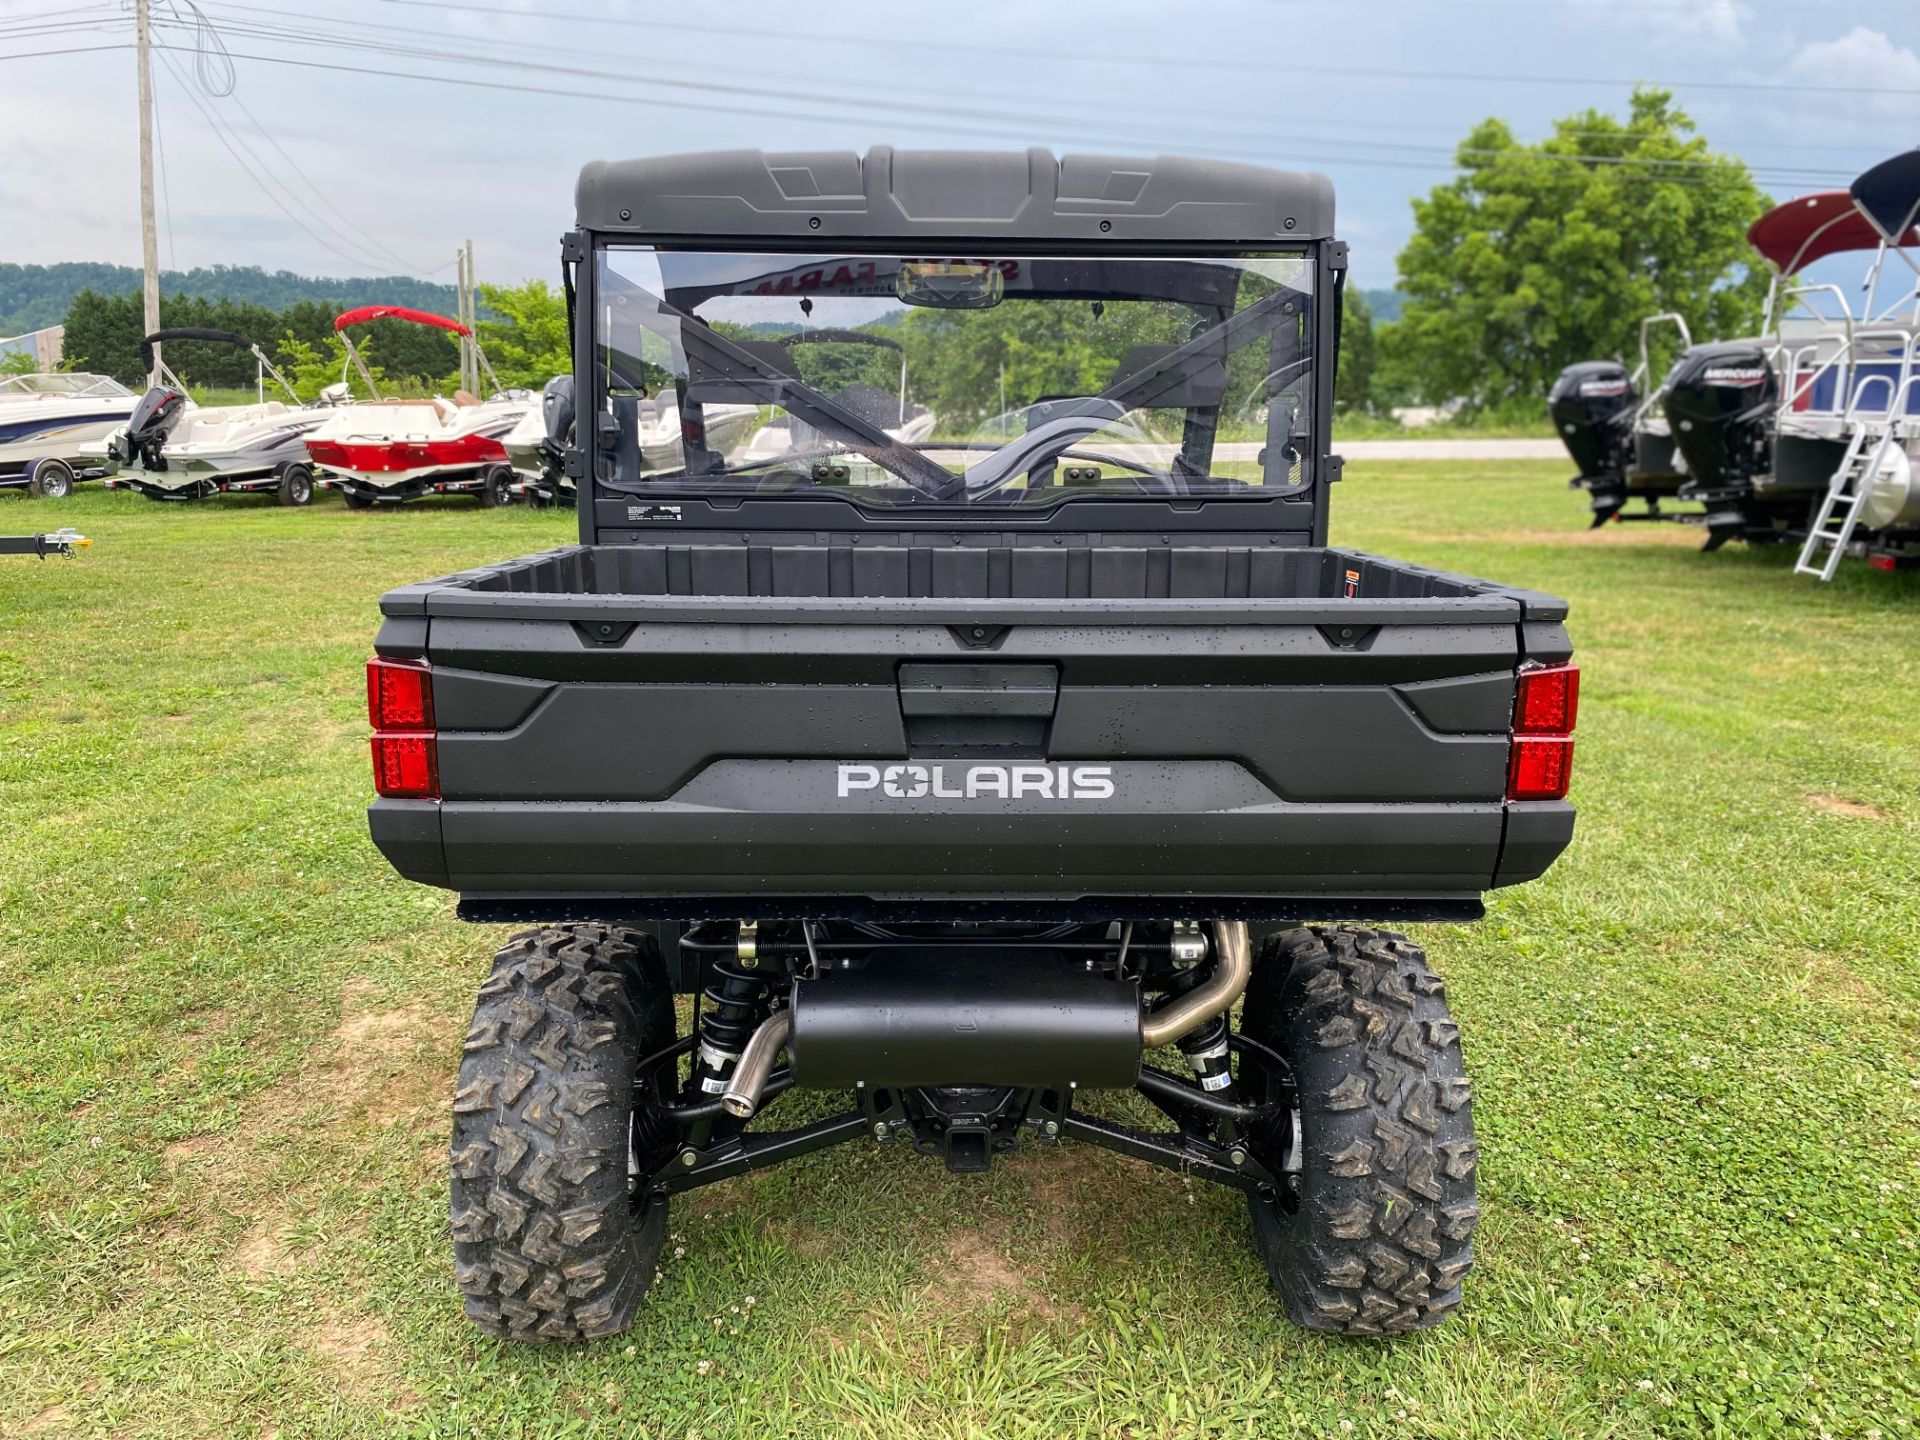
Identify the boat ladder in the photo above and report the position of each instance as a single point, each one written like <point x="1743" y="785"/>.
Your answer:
<point x="1847" y="493"/>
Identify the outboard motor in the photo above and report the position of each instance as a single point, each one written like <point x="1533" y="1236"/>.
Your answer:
<point x="1592" y="405"/>
<point x="1720" y="403"/>
<point x="147" y="429"/>
<point x="557" y="413"/>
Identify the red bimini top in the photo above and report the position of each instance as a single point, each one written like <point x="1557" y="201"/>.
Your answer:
<point x="397" y="312"/>
<point x="1794" y="235"/>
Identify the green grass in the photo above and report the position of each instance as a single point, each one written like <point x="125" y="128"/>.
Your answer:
<point x="1385" y="427"/>
<point x="227" y="1035"/>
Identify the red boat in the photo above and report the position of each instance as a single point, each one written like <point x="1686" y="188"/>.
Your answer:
<point x="388" y="451"/>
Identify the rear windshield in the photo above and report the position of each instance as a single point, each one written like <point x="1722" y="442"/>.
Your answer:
<point x="981" y="380"/>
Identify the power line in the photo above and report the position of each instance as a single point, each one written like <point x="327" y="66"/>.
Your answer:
<point x="943" y="117"/>
<point x="218" y="79"/>
<point x="76" y="50"/>
<point x="1159" y="62"/>
<point x="377" y="245"/>
<point x="166" y="194"/>
<point x="788" y="116"/>
<point x="237" y="148"/>
<point x="296" y="33"/>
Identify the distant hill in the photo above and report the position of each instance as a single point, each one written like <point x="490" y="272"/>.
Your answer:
<point x="1385" y="304"/>
<point x="35" y="296"/>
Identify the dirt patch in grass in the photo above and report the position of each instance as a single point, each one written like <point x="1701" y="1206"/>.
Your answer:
<point x="380" y="1066"/>
<point x="354" y="1351"/>
<point x="51" y="1418"/>
<point x="973" y="1273"/>
<point x="377" y="1067"/>
<point x="1065" y="1179"/>
<point x="975" y="1276"/>
<point x="263" y="1250"/>
<point x="1851" y="809"/>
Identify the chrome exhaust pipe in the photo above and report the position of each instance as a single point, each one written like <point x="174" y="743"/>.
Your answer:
<point x="749" y="1081"/>
<point x="1232" y="969"/>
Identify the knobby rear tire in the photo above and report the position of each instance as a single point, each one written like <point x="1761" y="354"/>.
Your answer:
<point x="548" y="1243"/>
<point x="1379" y="1239"/>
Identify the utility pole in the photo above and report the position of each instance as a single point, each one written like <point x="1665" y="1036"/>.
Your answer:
<point x="149" y="236"/>
<point x="472" y="323"/>
<point x="462" y="282"/>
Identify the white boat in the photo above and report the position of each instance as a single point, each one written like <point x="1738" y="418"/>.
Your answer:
<point x="47" y="420"/>
<point x="172" y="449"/>
<point x="536" y="450"/>
<point x="384" y="451"/>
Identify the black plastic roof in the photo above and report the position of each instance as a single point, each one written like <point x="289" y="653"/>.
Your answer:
<point x="925" y="196"/>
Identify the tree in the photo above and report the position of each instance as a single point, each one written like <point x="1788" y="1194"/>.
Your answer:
<point x="1540" y="255"/>
<point x="103" y="335"/>
<point x="1353" y="386"/>
<point x="311" y="366"/>
<point x="528" y="344"/>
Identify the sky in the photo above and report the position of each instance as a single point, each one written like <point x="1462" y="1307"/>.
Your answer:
<point x="323" y="138"/>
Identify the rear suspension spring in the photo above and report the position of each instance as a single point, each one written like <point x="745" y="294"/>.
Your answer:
<point x="731" y="1008"/>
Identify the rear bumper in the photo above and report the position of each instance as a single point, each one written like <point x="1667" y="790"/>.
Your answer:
<point x="535" y="861"/>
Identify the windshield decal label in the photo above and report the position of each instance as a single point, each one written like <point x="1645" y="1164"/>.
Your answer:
<point x="978" y="782"/>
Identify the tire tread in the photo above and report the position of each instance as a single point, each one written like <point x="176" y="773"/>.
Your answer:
<point x="547" y="1244"/>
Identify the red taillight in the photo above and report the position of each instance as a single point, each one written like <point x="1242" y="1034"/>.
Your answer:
<point x="1547" y="700"/>
<point x="406" y="760"/>
<point x="1541" y="767"/>
<point x="399" y="694"/>
<point x="406" y="767"/>
<point x="1545" y="704"/>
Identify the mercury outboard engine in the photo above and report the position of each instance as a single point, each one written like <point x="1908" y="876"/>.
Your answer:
<point x="557" y="412"/>
<point x="147" y="429"/>
<point x="1721" y="401"/>
<point x="1592" y="406"/>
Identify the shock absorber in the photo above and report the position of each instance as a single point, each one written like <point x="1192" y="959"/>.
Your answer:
<point x="1206" y="1051"/>
<point x="731" y="1007"/>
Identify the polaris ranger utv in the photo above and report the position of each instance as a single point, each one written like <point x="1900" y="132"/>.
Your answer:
<point x="973" y="770"/>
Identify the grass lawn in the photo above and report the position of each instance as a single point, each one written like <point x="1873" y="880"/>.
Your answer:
<point x="227" y="1037"/>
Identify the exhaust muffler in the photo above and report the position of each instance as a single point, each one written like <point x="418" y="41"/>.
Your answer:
<point x="956" y="1016"/>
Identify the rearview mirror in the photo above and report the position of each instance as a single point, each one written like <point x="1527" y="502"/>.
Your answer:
<point x="950" y="284"/>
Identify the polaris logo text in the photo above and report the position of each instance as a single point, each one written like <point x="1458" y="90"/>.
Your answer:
<point x="979" y="782"/>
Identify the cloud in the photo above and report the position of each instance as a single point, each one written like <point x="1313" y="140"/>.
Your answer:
<point x="1867" y="60"/>
<point x="1711" y="24"/>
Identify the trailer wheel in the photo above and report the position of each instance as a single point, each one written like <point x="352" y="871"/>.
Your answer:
<point x="356" y="502"/>
<point x="296" y="485"/>
<point x="550" y="1240"/>
<point x="51" y="480"/>
<point x="493" y="487"/>
<point x="1369" y="1234"/>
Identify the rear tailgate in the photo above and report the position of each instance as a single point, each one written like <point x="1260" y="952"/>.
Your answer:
<point x="1264" y="755"/>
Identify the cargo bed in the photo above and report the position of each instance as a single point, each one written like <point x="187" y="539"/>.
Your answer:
<point x="936" y="725"/>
